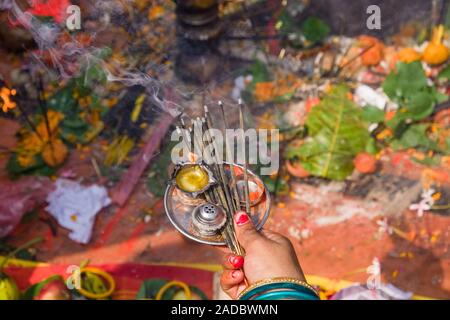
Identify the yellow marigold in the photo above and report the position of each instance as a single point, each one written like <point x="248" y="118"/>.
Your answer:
<point x="31" y="143"/>
<point x="55" y="153"/>
<point x="155" y="12"/>
<point x="5" y="95"/>
<point x="54" y="118"/>
<point x="408" y="55"/>
<point x="436" y="52"/>
<point x="26" y="160"/>
<point x="386" y="133"/>
<point x="436" y="196"/>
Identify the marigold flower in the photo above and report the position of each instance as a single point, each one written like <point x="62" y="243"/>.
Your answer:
<point x="5" y="95"/>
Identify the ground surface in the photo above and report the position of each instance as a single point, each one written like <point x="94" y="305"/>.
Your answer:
<point x="333" y="225"/>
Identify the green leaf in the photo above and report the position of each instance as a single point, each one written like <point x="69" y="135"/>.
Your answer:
<point x="158" y="174"/>
<point x="286" y="23"/>
<point x="259" y="72"/>
<point x="282" y="188"/>
<point x="438" y="96"/>
<point x="15" y="170"/>
<point x="414" y="136"/>
<point x="315" y="29"/>
<point x="428" y="161"/>
<point x="35" y="289"/>
<point x="63" y="100"/>
<point x="292" y="152"/>
<point x="371" y="146"/>
<point x="409" y="79"/>
<point x="420" y="106"/>
<point x="150" y="287"/>
<point x="447" y="146"/>
<point x="372" y="114"/>
<point x="409" y="88"/>
<point x="91" y="76"/>
<point x="445" y="73"/>
<point x="398" y="122"/>
<point x="337" y="132"/>
<point x="74" y="129"/>
<point x="288" y="27"/>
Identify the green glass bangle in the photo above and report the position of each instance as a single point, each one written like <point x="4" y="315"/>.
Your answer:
<point x="286" y="295"/>
<point x="277" y="286"/>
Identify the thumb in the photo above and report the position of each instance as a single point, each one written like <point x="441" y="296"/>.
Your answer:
<point x="245" y="230"/>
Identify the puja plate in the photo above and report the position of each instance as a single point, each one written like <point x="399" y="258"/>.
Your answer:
<point x="179" y="209"/>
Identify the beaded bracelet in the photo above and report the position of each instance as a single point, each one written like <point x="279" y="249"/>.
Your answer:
<point x="279" y="288"/>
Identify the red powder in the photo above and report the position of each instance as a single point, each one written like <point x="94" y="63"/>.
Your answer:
<point x="50" y="8"/>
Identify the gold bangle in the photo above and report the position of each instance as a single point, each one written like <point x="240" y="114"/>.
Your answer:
<point x="276" y="280"/>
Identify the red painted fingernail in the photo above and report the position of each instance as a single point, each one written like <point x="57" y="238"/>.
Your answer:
<point x="237" y="261"/>
<point x="241" y="218"/>
<point x="235" y="274"/>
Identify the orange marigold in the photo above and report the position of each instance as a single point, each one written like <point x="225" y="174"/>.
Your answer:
<point x="264" y="91"/>
<point x="374" y="55"/>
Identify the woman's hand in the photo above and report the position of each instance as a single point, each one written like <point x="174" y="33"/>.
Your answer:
<point x="268" y="255"/>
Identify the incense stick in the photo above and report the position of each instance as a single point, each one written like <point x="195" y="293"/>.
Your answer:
<point x="229" y="156"/>
<point x="244" y="153"/>
<point x="188" y="143"/>
<point x="219" y="165"/>
<point x="221" y="190"/>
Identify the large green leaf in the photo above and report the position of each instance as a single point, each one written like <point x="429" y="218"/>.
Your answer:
<point x="337" y="133"/>
<point x="408" y="80"/>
